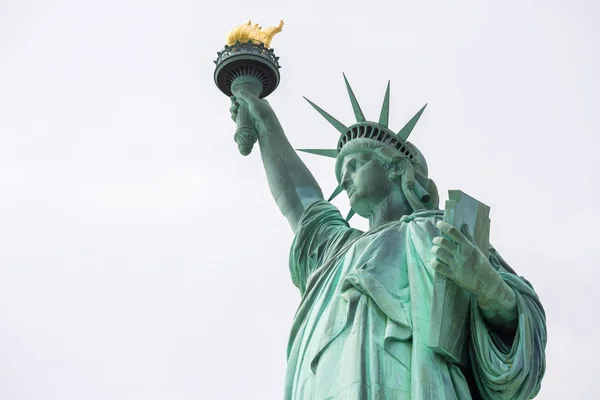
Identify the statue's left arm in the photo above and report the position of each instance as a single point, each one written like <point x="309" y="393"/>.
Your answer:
<point x="509" y="366"/>
<point x="507" y="322"/>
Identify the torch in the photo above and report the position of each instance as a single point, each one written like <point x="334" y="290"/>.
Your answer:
<point x="247" y="63"/>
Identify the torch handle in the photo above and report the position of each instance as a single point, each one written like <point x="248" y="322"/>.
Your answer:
<point x="245" y="134"/>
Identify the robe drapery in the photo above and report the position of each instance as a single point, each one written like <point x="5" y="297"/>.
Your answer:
<point x="362" y="326"/>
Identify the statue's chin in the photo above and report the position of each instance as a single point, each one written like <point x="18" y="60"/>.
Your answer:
<point x="359" y="207"/>
<point x="361" y="214"/>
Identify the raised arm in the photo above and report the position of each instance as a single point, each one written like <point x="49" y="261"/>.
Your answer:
<point x="292" y="185"/>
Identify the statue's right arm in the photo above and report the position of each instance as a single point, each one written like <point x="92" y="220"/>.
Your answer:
<point x="292" y="185"/>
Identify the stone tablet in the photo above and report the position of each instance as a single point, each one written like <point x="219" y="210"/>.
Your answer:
<point x="448" y="332"/>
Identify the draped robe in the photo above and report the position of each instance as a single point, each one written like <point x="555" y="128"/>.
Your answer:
<point x="361" y="329"/>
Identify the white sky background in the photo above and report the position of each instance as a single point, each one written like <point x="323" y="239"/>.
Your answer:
<point x="143" y="258"/>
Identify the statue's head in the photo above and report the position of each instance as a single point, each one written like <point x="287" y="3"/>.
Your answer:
<point x="374" y="163"/>
<point x="369" y="171"/>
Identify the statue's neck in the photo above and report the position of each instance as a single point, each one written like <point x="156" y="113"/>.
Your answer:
<point x="391" y="208"/>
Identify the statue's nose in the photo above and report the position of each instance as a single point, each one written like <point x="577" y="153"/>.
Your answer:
<point x="346" y="184"/>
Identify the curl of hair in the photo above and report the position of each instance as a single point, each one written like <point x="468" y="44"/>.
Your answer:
<point x="420" y="191"/>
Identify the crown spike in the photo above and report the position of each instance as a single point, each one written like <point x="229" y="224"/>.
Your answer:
<point x="350" y="215"/>
<point x="321" y="152"/>
<point x="360" y="117"/>
<point x="384" y="117"/>
<point x="337" y="191"/>
<point x="405" y="132"/>
<point x="336" y="124"/>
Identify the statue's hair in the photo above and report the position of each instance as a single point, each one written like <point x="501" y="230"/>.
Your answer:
<point x="420" y="191"/>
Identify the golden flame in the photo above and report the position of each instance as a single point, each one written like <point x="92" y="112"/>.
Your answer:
<point x="247" y="31"/>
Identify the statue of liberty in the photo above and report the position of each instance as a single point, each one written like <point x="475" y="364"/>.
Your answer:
<point x="362" y="327"/>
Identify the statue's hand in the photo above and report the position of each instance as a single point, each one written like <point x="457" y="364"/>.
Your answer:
<point x="461" y="261"/>
<point x="260" y="110"/>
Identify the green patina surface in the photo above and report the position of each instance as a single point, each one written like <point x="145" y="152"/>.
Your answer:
<point x="367" y="313"/>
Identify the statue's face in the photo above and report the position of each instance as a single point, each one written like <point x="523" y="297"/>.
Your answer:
<point x="365" y="181"/>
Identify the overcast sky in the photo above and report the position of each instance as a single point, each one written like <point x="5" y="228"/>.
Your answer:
<point x="142" y="256"/>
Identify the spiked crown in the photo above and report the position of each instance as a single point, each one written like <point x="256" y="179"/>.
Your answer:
<point x="364" y="129"/>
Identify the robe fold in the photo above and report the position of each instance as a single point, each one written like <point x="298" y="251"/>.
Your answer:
<point x="361" y="329"/>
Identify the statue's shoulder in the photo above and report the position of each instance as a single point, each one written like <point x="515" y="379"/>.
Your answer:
<point x="421" y="223"/>
<point x="423" y="216"/>
<point x="418" y="221"/>
<point x="320" y="210"/>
